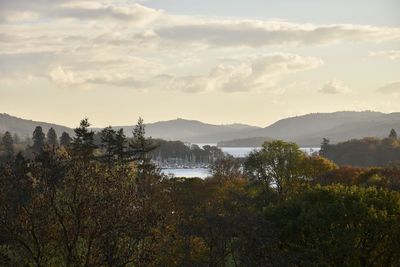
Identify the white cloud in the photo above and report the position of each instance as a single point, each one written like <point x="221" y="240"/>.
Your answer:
<point x="391" y="54"/>
<point x="21" y="10"/>
<point x="96" y="10"/>
<point x="255" y="33"/>
<point x="334" y="87"/>
<point x="124" y="43"/>
<point x="392" y="88"/>
<point x="64" y="78"/>
<point x="254" y="73"/>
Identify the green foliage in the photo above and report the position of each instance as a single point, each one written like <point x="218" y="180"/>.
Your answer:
<point x="339" y="226"/>
<point x="107" y="205"/>
<point x="38" y="139"/>
<point x="365" y="177"/>
<point x="180" y="152"/>
<point x="65" y="139"/>
<point x="61" y="209"/>
<point x="227" y="167"/>
<point x="393" y="134"/>
<point x="8" y="144"/>
<point x="52" y="140"/>
<point x="139" y="151"/>
<point x="365" y="152"/>
<point x="277" y="164"/>
<point x="83" y="143"/>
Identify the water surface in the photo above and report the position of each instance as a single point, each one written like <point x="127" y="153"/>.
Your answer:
<point x="237" y="152"/>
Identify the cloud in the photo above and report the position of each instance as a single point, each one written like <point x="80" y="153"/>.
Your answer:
<point x="64" y="78"/>
<point x="20" y="10"/>
<point x="334" y="87"/>
<point x="255" y="33"/>
<point x="253" y="73"/>
<point x="123" y="43"/>
<point x="81" y="79"/>
<point x="391" y="54"/>
<point x="392" y="88"/>
<point x="95" y="10"/>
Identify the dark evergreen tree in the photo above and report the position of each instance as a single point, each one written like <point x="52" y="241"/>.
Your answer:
<point x="108" y="143"/>
<point x="120" y="145"/>
<point x="38" y="139"/>
<point x="324" y="147"/>
<point x="16" y="139"/>
<point x="140" y="147"/>
<point x="83" y="142"/>
<point x="8" y="144"/>
<point x="52" y="139"/>
<point x="393" y="134"/>
<point x="65" y="139"/>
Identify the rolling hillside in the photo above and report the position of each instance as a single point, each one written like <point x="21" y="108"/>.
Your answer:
<point x="307" y="130"/>
<point x="24" y="127"/>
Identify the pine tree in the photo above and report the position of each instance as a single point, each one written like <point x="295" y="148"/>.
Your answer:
<point x="38" y="139"/>
<point x="324" y="147"/>
<point x="120" y="145"/>
<point x="16" y="138"/>
<point x="140" y="146"/>
<point x="393" y="134"/>
<point x="8" y="144"/>
<point x="52" y="139"/>
<point x="65" y="139"/>
<point x="108" y="143"/>
<point x="83" y="142"/>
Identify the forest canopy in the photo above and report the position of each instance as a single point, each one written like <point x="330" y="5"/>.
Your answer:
<point x="364" y="152"/>
<point x="82" y="202"/>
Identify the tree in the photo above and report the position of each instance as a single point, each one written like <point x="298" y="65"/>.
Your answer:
<point x="16" y="138"/>
<point x="120" y="148"/>
<point x="364" y="152"/>
<point x="339" y="226"/>
<point x="65" y="139"/>
<point x="228" y="167"/>
<point x="278" y="164"/>
<point x="393" y="134"/>
<point x="8" y="144"/>
<point x="315" y="166"/>
<point x="108" y="143"/>
<point x="38" y="139"/>
<point x="52" y="139"/>
<point x="83" y="143"/>
<point x="140" y="145"/>
<point x="324" y="147"/>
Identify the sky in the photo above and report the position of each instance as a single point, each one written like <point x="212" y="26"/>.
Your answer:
<point x="225" y="61"/>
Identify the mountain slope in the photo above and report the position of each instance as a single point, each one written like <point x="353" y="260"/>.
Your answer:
<point x="308" y="130"/>
<point x="192" y="131"/>
<point x="25" y="128"/>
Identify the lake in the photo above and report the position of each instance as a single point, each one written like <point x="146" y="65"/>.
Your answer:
<point x="237" y="152"/>
<point x="188" y="173"/>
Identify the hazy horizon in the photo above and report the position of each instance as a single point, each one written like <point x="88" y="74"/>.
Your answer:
<point x="252" y="62"/>
<point x="134" y="120"/>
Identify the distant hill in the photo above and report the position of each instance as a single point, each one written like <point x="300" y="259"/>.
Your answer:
<point x="24" y="127"/>
<point x="246" y="142"/>
<point x="192" y="131"/>
<point x="308" y="130"/>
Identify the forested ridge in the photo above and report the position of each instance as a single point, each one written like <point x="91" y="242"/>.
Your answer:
<point x="364" y="152"/>
<point x="75" y="201"/>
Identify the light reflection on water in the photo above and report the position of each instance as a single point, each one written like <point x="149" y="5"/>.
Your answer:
<point x="188" y="173"/>
<point x="233" y="151"/>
